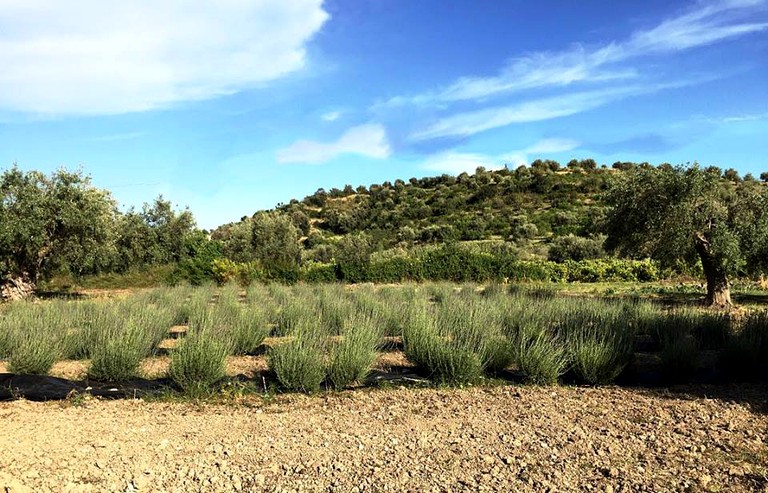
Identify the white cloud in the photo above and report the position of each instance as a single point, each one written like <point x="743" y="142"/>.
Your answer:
<point x="460" y="162"/>
<point x="743" y="118"/>
<point x="331" y="116"/>
<point x="708" y="23"/>
<point x="96" y="57"/>
<point x="472" y="122"/>
<point x="367" y="140"/>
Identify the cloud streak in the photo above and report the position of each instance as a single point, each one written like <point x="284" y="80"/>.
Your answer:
<point x="91" y="57"/>
<point x="707" y="24"/>
<point x="471" y="122"/>
<point x="366" y="140"/>
<point x="466" y="162"/>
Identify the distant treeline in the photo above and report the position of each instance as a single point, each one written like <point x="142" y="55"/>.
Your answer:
<point x="544" y="222"/>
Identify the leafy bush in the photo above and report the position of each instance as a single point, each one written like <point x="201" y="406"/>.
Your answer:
<point x="353" y="357"/>
<point x="32" y="354"/>
<point x="300" y="363"/>
<point x="117" y="355"/>
<point x="541" y="357"/>
<point x="575" y="248"/>
<point x="225" y="271"/>
<point x="679" y="359"/>
<point x="198" y="362"/>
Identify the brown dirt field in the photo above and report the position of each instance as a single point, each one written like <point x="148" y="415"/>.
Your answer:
<point x="501" y="438"/>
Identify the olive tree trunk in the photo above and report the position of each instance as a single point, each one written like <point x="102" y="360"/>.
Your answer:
<point x="718" y="288"/>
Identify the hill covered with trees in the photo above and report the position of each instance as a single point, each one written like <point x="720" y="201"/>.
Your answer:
<point x="543" y="221"/>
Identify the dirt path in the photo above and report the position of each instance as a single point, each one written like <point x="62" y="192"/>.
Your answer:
<point x="482" y="439"/>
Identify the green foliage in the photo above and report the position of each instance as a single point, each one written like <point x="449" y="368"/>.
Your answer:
<point x="275" y="244"/>
<point x="197" y="267"/>
<point x="117" y="354"/>
<point x="745" y="357"/>
<point x="352" y="358"/>
<point x="52" y="222"/>
<point x="244" y="273"/>
<point x="300" y="363"/>
<point x="542" y="358"/>
<point x="575" y="248"/>
<point x="157" y="235"/>
<point x="689" y="214"/>
<point x="33" y="351"/>
<point x="198" y="362"/>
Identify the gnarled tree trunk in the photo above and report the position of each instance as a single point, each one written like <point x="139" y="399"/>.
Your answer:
<point x="718" y="289"/>
<point x="16" y="288"/>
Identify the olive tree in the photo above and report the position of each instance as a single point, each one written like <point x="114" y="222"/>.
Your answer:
<point x="275" y="243"/>
<point x="52" y="222"/>
<point x="686" y="214"/>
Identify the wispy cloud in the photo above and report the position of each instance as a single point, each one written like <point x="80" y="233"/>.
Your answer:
<point x="87" y="57"/>
<point x="330" y="116"/>
<point x="706" y="23"/>
<point x="466" y="162"/>
<point x="752" y="117"/>
<point x="367" y="140"/>
<point x="472" y="122"/>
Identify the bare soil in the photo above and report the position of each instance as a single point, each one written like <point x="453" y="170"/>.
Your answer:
<point x="503" y="438"/>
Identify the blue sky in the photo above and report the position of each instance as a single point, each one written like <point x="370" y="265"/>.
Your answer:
<point x="230" y="107"/>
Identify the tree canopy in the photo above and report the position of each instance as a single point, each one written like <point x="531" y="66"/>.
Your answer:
<point x="50" y="222"/>
<point x="686" y="214"/>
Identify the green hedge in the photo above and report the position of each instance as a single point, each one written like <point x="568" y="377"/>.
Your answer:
<point x="446" y="263"/>
<point x="463" y="266"/>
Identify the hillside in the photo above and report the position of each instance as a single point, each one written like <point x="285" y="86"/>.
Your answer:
<point x="530" y="206"/>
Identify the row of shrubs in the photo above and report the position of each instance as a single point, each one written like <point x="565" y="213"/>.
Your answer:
<point x="453" y="334"/>
<point x="447" y="264"/>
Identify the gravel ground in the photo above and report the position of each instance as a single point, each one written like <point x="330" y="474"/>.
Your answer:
<point x="503" y="438"/>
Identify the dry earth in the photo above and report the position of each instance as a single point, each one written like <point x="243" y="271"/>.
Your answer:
<point x="503" y="438"/>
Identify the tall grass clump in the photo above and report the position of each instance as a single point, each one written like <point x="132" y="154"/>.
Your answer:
<point x="599" y="336"/>
<point x="352" y="358"/>
<point x="299" y="364"/>
<point x="32" y="344"/>
<point x="288" y="316"/>
<point x="244" y="327"/>
<point x="198" y="362"/>
<point x="680" y="359"/>
<point x="118" y="354"/>
<point x="443" y="356"/>
<point x="33" y="351"/>
<point x="745" y="357"/>
<point x="333" y="308"/>
<point x="542" y="357"/>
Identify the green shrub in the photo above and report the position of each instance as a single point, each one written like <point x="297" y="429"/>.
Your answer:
<point x="541" y="357"/>
<point x="597" y="361"/>
<point x="680" y="359"/>
<point x="248" y="331"/>
<point x="745" y="356"/>
<point x="316" y="272"/>
<point x="117" y="359"/>
<point x="32" y="353"/>
<point x="444" y="348"/>
<point x="300" y="363"/>
<point x="353" y="357"/>
<point x="198" y="362"/>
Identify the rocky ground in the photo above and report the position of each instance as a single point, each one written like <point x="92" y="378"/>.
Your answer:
<point x="503" y="438"/>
